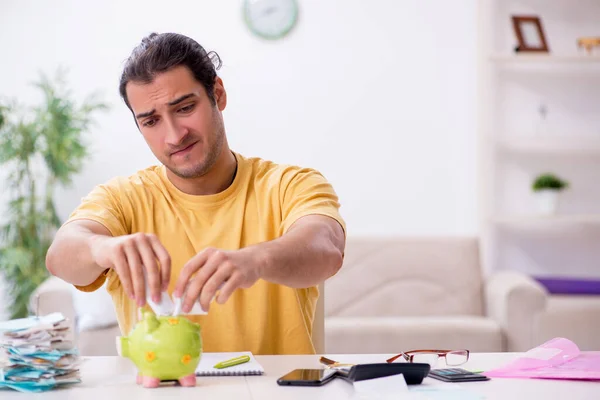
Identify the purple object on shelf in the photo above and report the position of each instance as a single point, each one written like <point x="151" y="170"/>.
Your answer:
<point x="570" y="285"/>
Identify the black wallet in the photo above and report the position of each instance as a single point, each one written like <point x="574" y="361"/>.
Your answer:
<point x="413" y="373"/>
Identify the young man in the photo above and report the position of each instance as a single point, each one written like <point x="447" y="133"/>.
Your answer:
<point x="207" y="222"/>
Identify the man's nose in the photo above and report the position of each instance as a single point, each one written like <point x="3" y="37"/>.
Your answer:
<point x="175" y="132"/>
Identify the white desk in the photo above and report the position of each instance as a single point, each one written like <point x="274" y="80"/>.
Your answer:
<point x="113" y="378"/>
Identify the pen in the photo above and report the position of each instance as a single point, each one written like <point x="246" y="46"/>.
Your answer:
<point x="232" y="362"/>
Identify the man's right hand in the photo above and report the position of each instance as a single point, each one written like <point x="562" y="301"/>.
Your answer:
<point x="129" y="255"/>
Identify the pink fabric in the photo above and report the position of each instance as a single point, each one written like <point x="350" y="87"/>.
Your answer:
<point x="558" y="358"/>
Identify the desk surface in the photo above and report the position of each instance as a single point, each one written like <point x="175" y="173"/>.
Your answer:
<point x="113" y="378"/>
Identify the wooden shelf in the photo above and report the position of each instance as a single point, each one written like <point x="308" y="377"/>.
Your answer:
<point x="563" y="146"/>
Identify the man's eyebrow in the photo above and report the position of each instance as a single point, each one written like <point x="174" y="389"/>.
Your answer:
<point x="181" y="98"/>
<point x="145" y="114"/>
<point x="171" y="103"/>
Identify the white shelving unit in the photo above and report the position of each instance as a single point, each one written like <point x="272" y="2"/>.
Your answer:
<point x="517" y="142"/>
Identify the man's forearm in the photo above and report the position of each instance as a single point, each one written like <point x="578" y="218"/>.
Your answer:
<point x="305" y="256"/>
<point x="70" y="257"/>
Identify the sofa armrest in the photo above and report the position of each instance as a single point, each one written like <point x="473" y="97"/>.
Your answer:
<point x="514" y="301"/>
<point x="53" y="295"/>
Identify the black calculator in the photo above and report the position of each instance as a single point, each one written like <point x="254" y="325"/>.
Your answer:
<point x="456" y="375"/>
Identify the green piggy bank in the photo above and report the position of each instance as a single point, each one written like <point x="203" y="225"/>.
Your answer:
<point x="163" y="348"/>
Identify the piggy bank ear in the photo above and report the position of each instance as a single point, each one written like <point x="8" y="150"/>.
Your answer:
<point x="150" y="322"/>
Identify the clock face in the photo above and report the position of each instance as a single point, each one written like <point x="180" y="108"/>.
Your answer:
<point x="271" y="19"/>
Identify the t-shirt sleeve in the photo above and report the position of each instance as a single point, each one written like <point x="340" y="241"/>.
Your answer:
<point x="103" y="205"/>
<point x="307" y="192"/>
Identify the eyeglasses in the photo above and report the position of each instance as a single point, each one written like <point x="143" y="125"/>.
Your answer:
<point x="451" y="357"/>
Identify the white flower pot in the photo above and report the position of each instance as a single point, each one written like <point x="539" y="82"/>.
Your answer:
<point x="547" y="201"/>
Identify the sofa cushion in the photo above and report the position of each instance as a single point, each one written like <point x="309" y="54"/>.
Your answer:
<point x="388" y="277"/>
<point x="393" y="335"/>
<point x="94" y="310"/>
<point x="574" y="317"/>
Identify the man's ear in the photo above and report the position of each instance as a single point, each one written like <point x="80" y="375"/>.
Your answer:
<point x="220" y="94"/>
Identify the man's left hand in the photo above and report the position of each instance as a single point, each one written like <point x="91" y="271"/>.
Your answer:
<point x="214" y="270"/>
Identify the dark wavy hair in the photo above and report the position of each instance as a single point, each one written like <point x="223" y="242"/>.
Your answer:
<point x="159" y="52"/>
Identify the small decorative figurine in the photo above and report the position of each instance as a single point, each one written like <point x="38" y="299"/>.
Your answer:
<point x="588" y="43"/>
<point x="163" y="348"/>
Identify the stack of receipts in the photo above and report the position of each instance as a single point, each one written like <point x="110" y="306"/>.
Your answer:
<point x="37" y="354"/>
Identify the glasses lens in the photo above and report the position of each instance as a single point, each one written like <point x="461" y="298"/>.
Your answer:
<point x="457" y="357"/>
<point x="426" y="358"/>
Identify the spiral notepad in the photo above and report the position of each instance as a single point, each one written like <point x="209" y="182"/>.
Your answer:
<point x="208" y="361"/>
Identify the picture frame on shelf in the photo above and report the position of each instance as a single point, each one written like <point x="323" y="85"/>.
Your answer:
<point x="530" y="34"/>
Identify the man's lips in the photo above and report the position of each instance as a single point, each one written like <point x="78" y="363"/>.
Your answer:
<point x="184" y="150"/>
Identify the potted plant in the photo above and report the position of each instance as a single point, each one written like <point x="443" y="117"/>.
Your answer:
<point x="40" y="147"/>
<point x="547" y="187"/>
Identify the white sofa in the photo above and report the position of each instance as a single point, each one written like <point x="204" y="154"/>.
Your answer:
<point x="397" y="294"/>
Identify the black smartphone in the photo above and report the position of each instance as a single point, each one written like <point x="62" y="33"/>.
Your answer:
<point x="456" y="375"/>
<point x="307" y="377"/>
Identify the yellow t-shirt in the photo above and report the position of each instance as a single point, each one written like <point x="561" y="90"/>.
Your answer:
<point x="260" y="205"/>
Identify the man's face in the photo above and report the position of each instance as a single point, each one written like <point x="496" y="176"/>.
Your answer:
<point x="183" y="128"/>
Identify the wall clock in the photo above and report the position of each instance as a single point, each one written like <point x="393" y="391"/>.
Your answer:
<point x="270" y="19"/>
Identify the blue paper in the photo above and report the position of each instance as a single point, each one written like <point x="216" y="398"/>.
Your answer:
<point x="28" y="373"/>
<point x="29" y="322"/>
<point x="30" y="386"/>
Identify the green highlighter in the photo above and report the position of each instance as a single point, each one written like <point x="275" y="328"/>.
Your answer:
<point x="232" y="362"/>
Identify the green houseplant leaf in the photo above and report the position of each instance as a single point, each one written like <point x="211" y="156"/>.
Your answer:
<point x="548" y="181"/>
<point x="40" y="147"/>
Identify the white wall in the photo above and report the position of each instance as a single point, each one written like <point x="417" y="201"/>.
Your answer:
<point x="379" y="95"/>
